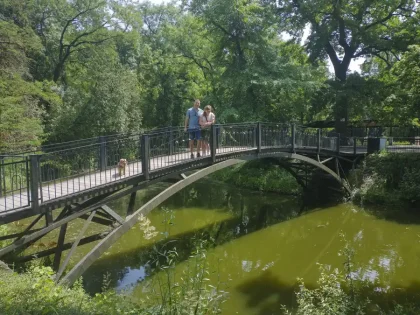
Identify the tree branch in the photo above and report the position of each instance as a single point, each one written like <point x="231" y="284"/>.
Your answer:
<point x="386" y="18"/>
<point x="74" y="41"/>
<point x="220" y="27"/>
<point x="378" y="55"/>
<point x="333" y="56"/>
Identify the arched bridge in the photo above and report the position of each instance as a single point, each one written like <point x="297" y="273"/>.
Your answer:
<point x="81" y="177"/>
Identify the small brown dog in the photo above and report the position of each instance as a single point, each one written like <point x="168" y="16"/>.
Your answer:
<point x="121" y="166"/>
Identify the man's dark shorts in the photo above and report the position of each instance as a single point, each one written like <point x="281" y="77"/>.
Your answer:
<point x="194" y="134"/>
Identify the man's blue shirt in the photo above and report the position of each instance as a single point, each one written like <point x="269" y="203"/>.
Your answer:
<point x="193" y="116"/>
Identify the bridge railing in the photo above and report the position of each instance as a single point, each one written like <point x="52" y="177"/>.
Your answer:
<point x="165" y="148"/>
<point x="403" y="144"/>
<point x="14" y="182"/>
<point x="70" y="171"/>
<point x="236" y="137"/>
<point x="306" y="138"/>
<point x="30" y="180"/>
<point x="276" y="135"/>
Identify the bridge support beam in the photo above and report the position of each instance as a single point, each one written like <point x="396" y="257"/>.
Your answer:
<point x="130" y="221"/>
<point x="59" y="248"/>
<point x="74" y="246"/>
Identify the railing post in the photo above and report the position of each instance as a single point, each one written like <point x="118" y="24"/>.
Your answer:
<point x="293" y="138"/>
<point x="35" y="179"/>
<point x="102" y="153"/>
<point x="213" y="142"/>
<point x="1" y="175"/>
<point x="258" y="137"/>
<point x="171" y="141"/>
<point x="338" y="144"/>
<point x="319" y="140"/>
<point x="145" y="156"/>
<point x="354" y="145"/>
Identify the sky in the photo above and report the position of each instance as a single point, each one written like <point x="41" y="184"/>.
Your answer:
<point x="354" y="65"/>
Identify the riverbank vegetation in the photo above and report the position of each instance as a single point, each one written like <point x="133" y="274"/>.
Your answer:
<point x="35" y="292"/>
<point x="387" y="179"/>
<point x="337" y="292"/>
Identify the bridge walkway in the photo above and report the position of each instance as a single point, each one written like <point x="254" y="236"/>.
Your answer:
<point x="42" y="181"/>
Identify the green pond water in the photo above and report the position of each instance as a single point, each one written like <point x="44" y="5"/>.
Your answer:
<point x="261" y="244"/>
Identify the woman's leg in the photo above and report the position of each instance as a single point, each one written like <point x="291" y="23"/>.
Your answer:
<point x="207" y="147"/>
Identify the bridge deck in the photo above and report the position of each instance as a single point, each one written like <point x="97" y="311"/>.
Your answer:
<point x="86" y="179"/>
<point x="57" y="189"/>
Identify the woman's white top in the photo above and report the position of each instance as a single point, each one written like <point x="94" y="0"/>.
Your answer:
<point x="207" y="121"/>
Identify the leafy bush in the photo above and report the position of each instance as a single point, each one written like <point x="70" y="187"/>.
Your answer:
<point x="35" y="292"/>
<point x="389" y="179"/>
<point x="342" y="292"/>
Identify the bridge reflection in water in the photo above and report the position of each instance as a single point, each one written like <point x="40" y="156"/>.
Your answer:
<point x="81" y="177"/>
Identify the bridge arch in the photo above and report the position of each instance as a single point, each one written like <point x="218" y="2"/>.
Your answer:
<point x="132" y="219"/>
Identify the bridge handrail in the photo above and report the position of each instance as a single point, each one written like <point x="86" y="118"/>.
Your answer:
<point x="46" y="176"/>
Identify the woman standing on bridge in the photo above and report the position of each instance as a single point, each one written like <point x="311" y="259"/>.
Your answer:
<point x="206" y="120"/>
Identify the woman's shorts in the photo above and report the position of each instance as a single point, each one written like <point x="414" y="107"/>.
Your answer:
<point x="205" y="134"/>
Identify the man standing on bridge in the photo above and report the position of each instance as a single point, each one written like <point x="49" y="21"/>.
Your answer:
<point x="192" y="124"/>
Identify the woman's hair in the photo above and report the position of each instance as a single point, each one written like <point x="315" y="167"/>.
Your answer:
<point x="207" y="107"/>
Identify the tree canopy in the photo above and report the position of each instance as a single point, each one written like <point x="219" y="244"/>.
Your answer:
<point x="72" y="69"/>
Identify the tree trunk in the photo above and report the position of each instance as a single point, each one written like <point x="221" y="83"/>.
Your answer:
<point x="341" y="103"/>
<point x="57" y="72"/>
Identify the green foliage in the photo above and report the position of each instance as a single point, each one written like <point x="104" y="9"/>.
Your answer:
<point x="187" y="293"/>
<point x="341" y="291"/>
<point x="350" y="29"/>
<point x="260" y="175"/>
<point x="22" y="101"/>
<point x="407" y="82"/>
<point x="390" y="179"/>
<point x="73" y="69"/>
<point x="35" y="292"/>
<point x="329" y="298"/>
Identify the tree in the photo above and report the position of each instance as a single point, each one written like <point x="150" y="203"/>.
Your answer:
<point x="345" y="30"/>
<point x="102" y="97"/>
<point x="69" y="27"/>
<point x="407" y="91"/>
<point x="260" y="76"/>
<point x="169" y="80"/>
<point x="22" y="101"/>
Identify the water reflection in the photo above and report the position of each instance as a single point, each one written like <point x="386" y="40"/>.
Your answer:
<point x="220" y="215"/>
<point x="265" y="243"/>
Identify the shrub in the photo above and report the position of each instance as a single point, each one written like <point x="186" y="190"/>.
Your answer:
<point x="342" y="292"/>
<point x="35" y="292"/>
<point x="389" y="179"/>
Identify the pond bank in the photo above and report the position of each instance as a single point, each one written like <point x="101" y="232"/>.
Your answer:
<point x="380" y="181"/>
<point x="388" y="180"/>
